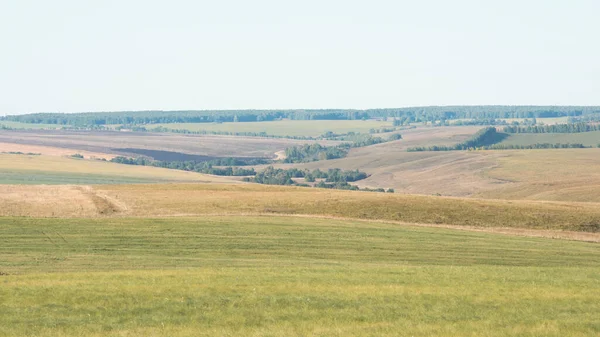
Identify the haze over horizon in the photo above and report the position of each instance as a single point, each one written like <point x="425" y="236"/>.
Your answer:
<point x="68" y="56"/>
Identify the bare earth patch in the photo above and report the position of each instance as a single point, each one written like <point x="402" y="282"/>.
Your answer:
<point x="51" y="151"/>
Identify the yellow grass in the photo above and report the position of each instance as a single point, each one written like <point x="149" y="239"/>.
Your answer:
<point x="555" y="174"/>
<point x="156" y="200"/>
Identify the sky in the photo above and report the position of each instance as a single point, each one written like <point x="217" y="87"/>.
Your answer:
<point x="73" y="56"/>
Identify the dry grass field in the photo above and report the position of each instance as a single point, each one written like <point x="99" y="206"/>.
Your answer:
<point x="177" y="200"/>
<point x="554" y="174"/>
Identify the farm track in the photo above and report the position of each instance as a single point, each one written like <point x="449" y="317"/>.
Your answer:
<point x="104" y="204"/>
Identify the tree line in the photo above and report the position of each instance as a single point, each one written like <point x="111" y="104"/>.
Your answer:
<point x="315" y="152"/>
<point x="484" y="137"/>
<point x="193" y="166"/>
<point x="407" y="115"/>
<point x="557" y="128"/>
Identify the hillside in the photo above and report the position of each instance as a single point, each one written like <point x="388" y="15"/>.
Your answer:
<point x="41" y="169"/>
<point x="553" y="174"/>
<point x="251" y="199"/>
<point x="586" y="138"/>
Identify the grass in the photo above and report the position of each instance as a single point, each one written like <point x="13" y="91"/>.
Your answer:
<point x="246" y="276"/>
<point x="585" y="138"/>
<point x="314" y="128"/>
<point x="31" y="126"/>
<point x="24" y="169"/>
<point x="29" y="177"/>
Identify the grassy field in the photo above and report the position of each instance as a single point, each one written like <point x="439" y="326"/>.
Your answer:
<point x="247" y="276"/>
<point x="585" y="138"/>
<point x="25" y="169"/>
<point x="309" y="128"/>
<point x="31" y="126"/>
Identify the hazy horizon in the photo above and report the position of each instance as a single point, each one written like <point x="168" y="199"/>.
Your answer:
<point x="99" y="56"/>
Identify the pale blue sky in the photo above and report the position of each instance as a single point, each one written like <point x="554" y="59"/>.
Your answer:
<point x="72" y="56"/>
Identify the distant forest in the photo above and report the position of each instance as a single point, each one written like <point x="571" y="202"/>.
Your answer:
<point x="405" y="115"/>
<point x="557" y="128"/>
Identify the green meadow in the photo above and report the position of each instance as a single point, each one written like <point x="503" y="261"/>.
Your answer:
<point x="281" y="276"/>
<point x="23" y="177"/>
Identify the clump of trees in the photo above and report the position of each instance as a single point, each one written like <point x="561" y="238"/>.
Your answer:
<point x="276" y="176"/>
<point x="332" y="178"/>
<point x="557" y="128"/>
<point x="313" y="152"/>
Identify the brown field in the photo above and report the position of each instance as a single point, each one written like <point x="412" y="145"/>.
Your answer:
<point x="553" y="174"/>
<point x="111" y="142"/>
<point x="51" y="151"/>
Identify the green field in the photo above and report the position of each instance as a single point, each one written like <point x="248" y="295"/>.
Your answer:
<point x="19" y="125"/>
<point x="585" y="138"/>
<point x="57" y="178"/>
<point x="313" y="128"/>
<point x="41" y="169"/>
<point x="271" y="276"/>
